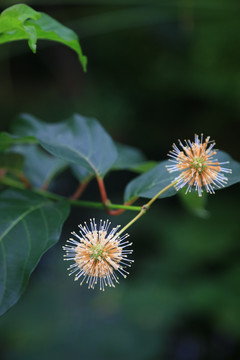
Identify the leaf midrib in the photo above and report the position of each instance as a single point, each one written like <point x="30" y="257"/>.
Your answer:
<point x="79" y="154"/>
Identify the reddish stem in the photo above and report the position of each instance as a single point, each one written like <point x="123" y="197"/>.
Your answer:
<point x="2" y="172"/>
<point x="45" y="185"/>
<point x="102" y="190"/>
<point x="105" y="199"/>
<point x="24" y="180"/>
<point x="80" y="189"/>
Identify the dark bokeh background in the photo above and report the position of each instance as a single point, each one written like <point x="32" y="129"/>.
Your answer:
<point x="157" y="71"/>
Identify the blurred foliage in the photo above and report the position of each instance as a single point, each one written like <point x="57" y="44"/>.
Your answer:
<point x="21" y="22"/>
<point x="156" y="73"/>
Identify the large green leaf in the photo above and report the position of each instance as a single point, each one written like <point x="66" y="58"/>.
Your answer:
<point x="39" y="166"/>
<point x="79" y="140"/>
<point x="150" y="183"/>
<point x="20" y="22"/>
<point x="129" y="158"/>
<point x="29" y="226"/>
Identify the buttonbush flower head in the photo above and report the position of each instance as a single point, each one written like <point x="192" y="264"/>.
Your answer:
<point x="198" y="166"/>
<point x="98" y="254"/>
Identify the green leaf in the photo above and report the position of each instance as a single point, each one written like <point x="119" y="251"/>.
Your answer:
<point x="145" y="166"/>
<point x="150" y="183"/>
<point x="13" y="17"/>
<point x="79" y="140"/>
<point x="32" y="34"/>
<point x="11" y="161"/>
<point x="128" y="157"/>
<point x="7" y="140"/>
<point x="39" y="166"/>
<point x="20" y="22"/>
<point x="234" y="177"/>
<point x="29" y="226"/>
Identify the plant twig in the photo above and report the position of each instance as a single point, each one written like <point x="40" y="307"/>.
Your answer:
<point x="145" y="207"/>
<point x="120" y="211"/>
<point x="80" y="189"/>
<point x="24" y="180"/>
<point x="102" y="190"/>
<point x="89" y="204"/>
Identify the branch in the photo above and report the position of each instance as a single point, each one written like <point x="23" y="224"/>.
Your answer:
<point x="89" y="204"/>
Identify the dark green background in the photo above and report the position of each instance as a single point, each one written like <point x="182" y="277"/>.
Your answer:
<point x="157" y="71"/>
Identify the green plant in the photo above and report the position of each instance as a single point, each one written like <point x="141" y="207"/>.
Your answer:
<point x="21" y="22"/>
<point x="35" y="153"/>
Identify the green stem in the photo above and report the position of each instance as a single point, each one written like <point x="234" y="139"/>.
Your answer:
<point x="90" y="204"/>
<point x="146" y="207"/>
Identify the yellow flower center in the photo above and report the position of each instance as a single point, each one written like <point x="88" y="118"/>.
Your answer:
<point x="199" y="164"/>
<point x="98" y="252"/>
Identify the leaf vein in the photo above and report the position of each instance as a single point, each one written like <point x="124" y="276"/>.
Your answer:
<point x="20" y="218"/>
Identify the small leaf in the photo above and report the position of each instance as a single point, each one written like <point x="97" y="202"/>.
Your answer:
<point x="128" y="157"/>
<point x="39" y="166"/>
<point x="150" y="183"/>
<point x="7" y="140"/>
<point x="79" y="140"/>
<point x="20" y="22"/>
<point x="29" y="226"/>
<point x="11" y="161"/>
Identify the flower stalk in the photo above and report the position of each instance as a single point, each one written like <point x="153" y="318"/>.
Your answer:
<point x="146" y="207"/>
